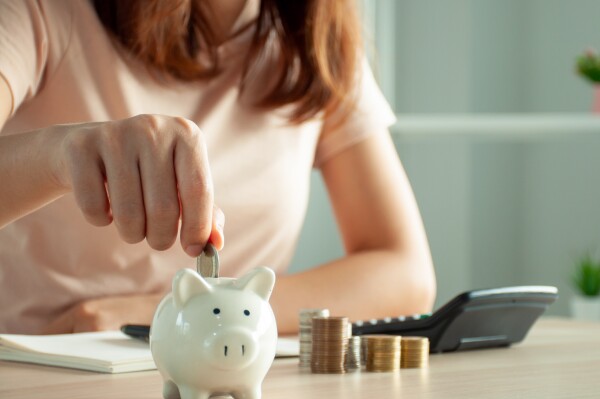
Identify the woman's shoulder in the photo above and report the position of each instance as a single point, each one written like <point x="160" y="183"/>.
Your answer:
<point x="45" y="25"/>
<point x="55" y="15"/>
<point x="34" y="35"/>
<point x="60" y="19"/>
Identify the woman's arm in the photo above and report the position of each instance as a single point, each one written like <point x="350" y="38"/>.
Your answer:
<point x="96" y="161"/>
<point x="27" y="180"/>
<point x="388" y="269"/>
<point x="146" y="174"/>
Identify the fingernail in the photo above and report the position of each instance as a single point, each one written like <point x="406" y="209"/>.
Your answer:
<point x="219" y="227"/>
<point x="219" y="219"/>
<point x="194" y="250"/>
<point x="222" y="243"/>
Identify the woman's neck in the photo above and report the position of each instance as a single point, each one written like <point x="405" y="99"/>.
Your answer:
<point x="231" y="15"/>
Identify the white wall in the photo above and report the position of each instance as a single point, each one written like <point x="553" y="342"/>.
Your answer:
<point x="497" y="212"/>
<point x="558" y="31"/>
<point x="561" y="210"/>
<point x="490" y="55"/>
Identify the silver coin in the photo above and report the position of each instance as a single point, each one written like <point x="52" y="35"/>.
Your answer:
<point x="207" y="264"/>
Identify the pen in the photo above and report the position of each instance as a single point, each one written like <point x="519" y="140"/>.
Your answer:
<point x="137" y="331"/>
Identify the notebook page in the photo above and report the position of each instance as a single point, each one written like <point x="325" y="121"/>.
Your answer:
<point x="104" y="346"/>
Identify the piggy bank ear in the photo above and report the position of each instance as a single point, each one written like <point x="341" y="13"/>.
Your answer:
<point x="260" y="281"/>
<point x="186" y="285"/>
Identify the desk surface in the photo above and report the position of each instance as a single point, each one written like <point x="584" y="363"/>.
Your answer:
<point x="559" y="359"/>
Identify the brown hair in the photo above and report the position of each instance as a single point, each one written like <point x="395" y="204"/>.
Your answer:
<point x="319" y="42"/>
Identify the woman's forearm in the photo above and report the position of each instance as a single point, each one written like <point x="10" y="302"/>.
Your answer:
<point x="27" y="167"/>
<point x="364" y="285"/>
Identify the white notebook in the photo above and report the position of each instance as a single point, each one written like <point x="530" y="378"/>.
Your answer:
<point x="106" y="351"/>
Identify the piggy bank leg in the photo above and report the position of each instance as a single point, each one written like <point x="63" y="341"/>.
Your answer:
<point x="170" y="390"/>
<point x="192" y="393"/>
<point x="252" y="393"/>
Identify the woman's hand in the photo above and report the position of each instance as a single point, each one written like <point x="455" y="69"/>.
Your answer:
<point x="105" y="314"/>
<point x="144" y="174"/>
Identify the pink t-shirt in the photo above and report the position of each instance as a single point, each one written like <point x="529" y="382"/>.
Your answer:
<point x="62" y="67"/>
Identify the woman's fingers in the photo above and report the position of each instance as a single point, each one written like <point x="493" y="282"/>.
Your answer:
<point x="63" y="324"/>
<point x="126" y="200"/>
<point x="87" y="180"/>
<point x="195" y="188"/>
<point x="105" y="314"/>
<point x="145" y="174"/>
<point x="161" y="206"/>
<point x="161" y="202"/>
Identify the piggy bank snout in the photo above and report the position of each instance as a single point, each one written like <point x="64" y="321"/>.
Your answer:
<point x="232" y="349"/>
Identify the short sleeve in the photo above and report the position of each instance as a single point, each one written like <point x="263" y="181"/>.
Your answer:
<point x="29" y="44"/>
<point x="371" y="114"/>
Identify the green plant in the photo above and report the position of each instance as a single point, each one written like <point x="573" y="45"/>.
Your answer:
<point x="587" y="276"/>
<point x="588" y="66"/>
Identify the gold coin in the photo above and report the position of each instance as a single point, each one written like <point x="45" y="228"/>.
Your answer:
<point x="415" y="352"/>
<point x="329" y="344"/>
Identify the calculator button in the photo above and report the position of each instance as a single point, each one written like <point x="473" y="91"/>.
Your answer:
<point x="373" y="321"/>
<point x="387" y="320"/>
<point x="359" y="323"/>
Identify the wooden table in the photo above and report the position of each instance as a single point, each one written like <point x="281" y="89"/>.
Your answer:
<point x="559" y="359"/>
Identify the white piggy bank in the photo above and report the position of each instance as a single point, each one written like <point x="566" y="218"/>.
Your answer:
<point x="214" y="336"/>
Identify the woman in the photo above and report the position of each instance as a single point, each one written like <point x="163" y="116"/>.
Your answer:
<point x="160" y="117"/>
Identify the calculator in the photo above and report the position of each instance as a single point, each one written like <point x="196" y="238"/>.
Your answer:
<point x="472" y="320"/>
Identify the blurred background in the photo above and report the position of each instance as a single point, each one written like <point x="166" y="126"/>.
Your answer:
<point x="496" y="133"/>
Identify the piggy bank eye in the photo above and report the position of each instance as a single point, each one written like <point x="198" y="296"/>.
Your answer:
<point x="216" y="310"/>
<point x="246" y="312"/>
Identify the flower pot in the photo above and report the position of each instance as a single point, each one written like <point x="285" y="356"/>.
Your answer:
<point x="585" y="307"/>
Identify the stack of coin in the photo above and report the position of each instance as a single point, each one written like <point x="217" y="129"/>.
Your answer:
<point x="329" y="344"/>
<point x="353" y="358"/>
<point x="415" y="352"/>
<point x="363" y="349"/>
<point x="306" y="316"/>
<point x="383" y="352"/>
